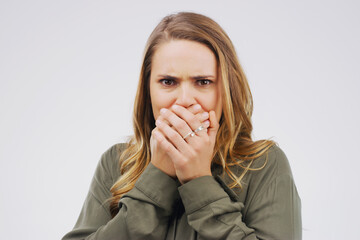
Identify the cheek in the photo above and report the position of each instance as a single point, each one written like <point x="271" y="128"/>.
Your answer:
<point x="208" y="102"/>
<point x="212" y="102"/>
<point x="218" y="110"/>
<point x="160" y="100"/>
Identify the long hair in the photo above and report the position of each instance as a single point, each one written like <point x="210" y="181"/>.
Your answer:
<point x="234" y="145"/>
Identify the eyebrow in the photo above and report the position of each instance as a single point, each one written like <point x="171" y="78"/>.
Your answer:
<point x="198" y="77"/>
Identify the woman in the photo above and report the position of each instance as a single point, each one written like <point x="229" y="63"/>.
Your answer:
<point x="191" y="171"/>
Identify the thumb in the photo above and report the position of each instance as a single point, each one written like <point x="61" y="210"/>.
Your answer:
<point x="214" y="125"/>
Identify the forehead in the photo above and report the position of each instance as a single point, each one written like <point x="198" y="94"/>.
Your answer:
<point x="179" y="56"/>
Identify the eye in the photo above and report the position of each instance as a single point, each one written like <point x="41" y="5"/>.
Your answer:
<point x="204" y="82"/>
<point x="167" y="82"/>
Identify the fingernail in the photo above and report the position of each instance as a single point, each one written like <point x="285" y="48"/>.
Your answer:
<point x="197" y="107"/>
<point x="175" y="107"/>
<point x="207" y="123"/>
<point x="163" y="110"/>
<point x="205" y="114"/>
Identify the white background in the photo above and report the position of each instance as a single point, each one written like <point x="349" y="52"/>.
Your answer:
<point x="68" y="76"/>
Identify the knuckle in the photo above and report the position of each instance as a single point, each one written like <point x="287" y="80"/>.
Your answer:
<point x="160" y="141"/>
<point x="181" y="125"/>
<point x="193" y="155"/>
<point x="167" y="114"/>
<point x="194" y="121"/>
<point x="172" y="134"/>
<point x="200" y="117"/>
<point x="201" y="145"/>
<point x="196" y="148"/>
<point x="154" y="130"/>
<point x="182" y="164"/>
<point x="166" y="147"/>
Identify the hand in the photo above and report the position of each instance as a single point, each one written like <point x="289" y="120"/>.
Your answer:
<point x="191" y="156"/>
<point x="159" y="157"/>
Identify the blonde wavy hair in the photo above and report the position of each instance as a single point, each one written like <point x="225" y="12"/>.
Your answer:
<point x="234" y="145"/>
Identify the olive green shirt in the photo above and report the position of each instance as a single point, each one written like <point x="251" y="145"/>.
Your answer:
<point x="158" y="207"/>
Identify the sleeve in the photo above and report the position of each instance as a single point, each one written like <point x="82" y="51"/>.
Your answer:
<point x="274" y="212"/>
<point x="144" y="210"/>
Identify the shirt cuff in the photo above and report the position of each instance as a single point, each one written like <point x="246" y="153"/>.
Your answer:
<point x="159" y="187"/>
<point x="200" y="192"/>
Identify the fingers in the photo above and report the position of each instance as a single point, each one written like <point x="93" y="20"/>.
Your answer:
<point x="174" y="124"/>
<point x="191" y="157"/>
<point x="185" y="121"/>
<point x="179" y="124"/>
<point x="163" y="141"/>
<point x="214" y="126"/>
<point x="194" y="109"/>
<point x="171" y="135"/>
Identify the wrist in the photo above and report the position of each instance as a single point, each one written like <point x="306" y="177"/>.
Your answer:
<point x="185" y="180"/>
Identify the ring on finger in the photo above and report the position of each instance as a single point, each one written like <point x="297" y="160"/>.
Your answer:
<point x="191" y="134"/>
<point x="199" y="129"/>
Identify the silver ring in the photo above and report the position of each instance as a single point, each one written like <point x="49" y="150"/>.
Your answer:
<point x="189" y="134"/>
<point x="199" y="129"/>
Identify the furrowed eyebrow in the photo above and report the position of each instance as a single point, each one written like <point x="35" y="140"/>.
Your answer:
<point x="167" y="77"/>
<point x="199" y="77"/>
<point x="202" y="77"/>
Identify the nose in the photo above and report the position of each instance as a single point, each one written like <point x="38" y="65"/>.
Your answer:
<point x="186" y="95"/>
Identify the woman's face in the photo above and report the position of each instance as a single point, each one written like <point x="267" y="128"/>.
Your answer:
<point x="185" y="73"/>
